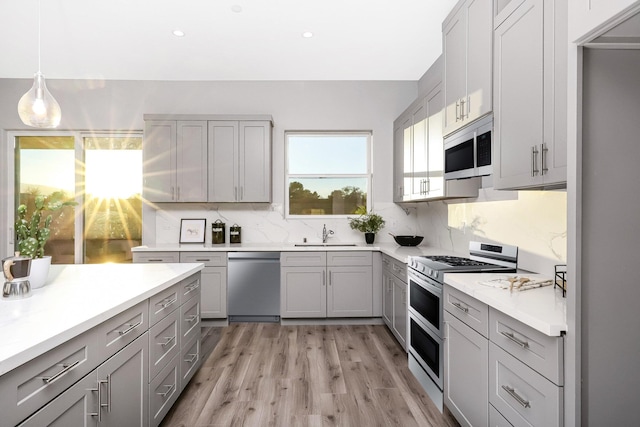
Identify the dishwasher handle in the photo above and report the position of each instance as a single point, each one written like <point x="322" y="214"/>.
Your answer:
<point x="263" y="256"/>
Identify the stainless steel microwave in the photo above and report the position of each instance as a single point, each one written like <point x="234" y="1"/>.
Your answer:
<point x="467" y="152"/>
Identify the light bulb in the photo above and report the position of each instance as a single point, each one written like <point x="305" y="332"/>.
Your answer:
<point x="38" y="108"/>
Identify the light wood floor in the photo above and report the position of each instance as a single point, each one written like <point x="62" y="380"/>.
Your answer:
<point x="262" y="374"/>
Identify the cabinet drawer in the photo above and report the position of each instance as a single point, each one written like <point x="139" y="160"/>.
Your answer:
<point x="164" y="342"/>
<point x="190" y="287"/>
<point x="395" y="267"/>
<point x="190" y="320"/>
<point x="468" y="309"/>
<point x="303" y="259"/>
<point x="156" y="257"/>
<point x="28" y="387"/>
<point x="209" y="259"/>
<point x="520" y="394"/>
<point x="163" y="391"/>
<point x="190" y="360"/>
<point x="539" y="351"/>
<point x="163" y="303"/>
<point x="496" y="419"/>
<point x="351" y="258"/>
<point x="122" y="329"/>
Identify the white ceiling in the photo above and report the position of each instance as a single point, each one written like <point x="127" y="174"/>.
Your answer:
<point x="132" y="39"/>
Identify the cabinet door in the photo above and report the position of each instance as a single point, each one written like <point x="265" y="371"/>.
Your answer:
<point x="214" y="292"/>
<point x="419" y="152"/>
<point x="407" y="158"/>
<point x="454" y="37"/>
<point x="479" y="61"/>
<point x="400" y="310"/>
<point x="254" y="156"/>
<point x="74" y="407"/>
<point x="518" y="119"/>
<point x="398" y="161"/>
<point x="387" y="299"/>
<point x="159" y="161"/>
<point x="223" y="161"/>
<point x="124" y="385"/>
<point x="466" y="378"/>
<point x="191" y="160"/>
<point x="349" y="291"/>
<point x="303" y="292"/>
<point x="435" y="150"/>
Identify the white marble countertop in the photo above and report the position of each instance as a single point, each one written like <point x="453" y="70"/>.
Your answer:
<point x="75" y="299"/>
<point x="394" y="250"/>
<point x="544" y="309"/>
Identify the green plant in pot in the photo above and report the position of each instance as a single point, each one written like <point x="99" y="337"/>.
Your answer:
<point x="33" y="231"/>
<point x="367" y="223"/>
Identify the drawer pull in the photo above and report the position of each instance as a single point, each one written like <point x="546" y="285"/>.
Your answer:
<point x="155" y="260"/>
<point x="130" y="328"/>
<point x="167" y="302"/>
<point x="512" y="337"/>
<point x="191" y="318"/>
<point x="193" y="358"/>
<point x="167" y="342"/>
<point x="512" y="392"/>
<point x="192" y="287"/>
<point x="460" y="307"/>
<point x="203" y="259"/>
<point x="65" y="368"/>
<point x="169" y="390"/>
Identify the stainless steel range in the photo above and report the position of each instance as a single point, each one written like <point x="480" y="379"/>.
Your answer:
<point x="425" y="278"/>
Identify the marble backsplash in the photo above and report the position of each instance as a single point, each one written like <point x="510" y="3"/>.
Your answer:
<point x="535" y="221"/>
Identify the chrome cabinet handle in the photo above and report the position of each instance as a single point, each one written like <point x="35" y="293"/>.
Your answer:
<point x="534" y="160"/>
<point x="191" y="318"/>
<point x="192" y="286"/>
<point x="543" y="158"/>
<point x="130" y="328"/>
<point x="512" y="392"/>
<point x="167" y="302"/>
<point x="462" y="102"/>
<point x="513" y="338"/>
<point x="460" y="307"/>
<point x="155" y="260"/>
<point x="65" y="368"/>
<point x="324" y="278"/>
<point x="96" y="414"/>
<point x="193" y="358"/>
<point x="167" y="342"/>
<point x="169" y="390"/>
<point x="457" y="114"/>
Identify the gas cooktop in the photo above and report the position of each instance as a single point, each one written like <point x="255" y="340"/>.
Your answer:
<point x="483" y="257"/>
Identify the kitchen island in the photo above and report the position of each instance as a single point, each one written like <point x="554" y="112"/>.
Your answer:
<point x="84" y="318"/>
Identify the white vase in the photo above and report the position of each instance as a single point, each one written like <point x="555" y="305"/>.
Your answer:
<point x="39" y="272"/>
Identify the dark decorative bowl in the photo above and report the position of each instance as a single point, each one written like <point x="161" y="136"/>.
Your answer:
<point x="408" y="240"/>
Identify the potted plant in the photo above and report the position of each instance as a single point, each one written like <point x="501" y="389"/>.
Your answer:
<point x="368" y="223"/>
<point x="33" y="231"/>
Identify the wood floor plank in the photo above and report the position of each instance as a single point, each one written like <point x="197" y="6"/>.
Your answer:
<point x="329" y="375"/>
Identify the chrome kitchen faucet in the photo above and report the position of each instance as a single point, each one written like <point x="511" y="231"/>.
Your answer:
<point x="325" y="233"/>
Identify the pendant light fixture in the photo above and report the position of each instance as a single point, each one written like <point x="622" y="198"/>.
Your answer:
<point x="38" y="108"/>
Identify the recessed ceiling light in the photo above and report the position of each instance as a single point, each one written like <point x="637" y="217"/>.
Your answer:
<point x="307" y="34"/>
<point x="178" y="33"/>
<point x="236" y="8"/>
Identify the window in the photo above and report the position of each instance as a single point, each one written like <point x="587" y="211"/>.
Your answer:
<point x="328" y="173"/>
<point x="103" y="174"/>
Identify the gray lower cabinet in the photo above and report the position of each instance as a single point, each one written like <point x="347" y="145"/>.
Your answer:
<point x="114" y="394"/>
<point x="499" y="371"/>
<point x="126" y="371"/>
<point x="326" y="284"/>
<point x="394" y="297"/>
<point x="466" y="358"/>
<point x="214" y="282"/>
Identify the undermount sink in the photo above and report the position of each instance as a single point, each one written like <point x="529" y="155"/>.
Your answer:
<point x="324" y="244"/>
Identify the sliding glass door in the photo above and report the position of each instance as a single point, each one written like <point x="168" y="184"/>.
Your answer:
<point x="102" y="173"/>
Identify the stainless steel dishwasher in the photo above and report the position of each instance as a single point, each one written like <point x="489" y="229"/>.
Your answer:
<point x="254" y="286"/>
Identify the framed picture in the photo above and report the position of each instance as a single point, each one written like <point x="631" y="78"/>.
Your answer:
<point x="192" y="230"/>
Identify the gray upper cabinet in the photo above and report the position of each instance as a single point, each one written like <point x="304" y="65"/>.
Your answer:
<point x="467" y="46"/>
<point x="174" y="161"/>
<point x="530" y="144"/>
<point x="239" y="161"/>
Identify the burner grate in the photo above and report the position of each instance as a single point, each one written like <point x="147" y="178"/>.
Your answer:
<point x="455" y="261"/>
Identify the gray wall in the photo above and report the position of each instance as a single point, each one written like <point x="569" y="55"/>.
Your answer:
<point x="610" y="287"/>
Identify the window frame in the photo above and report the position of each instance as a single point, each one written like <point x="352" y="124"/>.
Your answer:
<point x="368" y="175"/>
